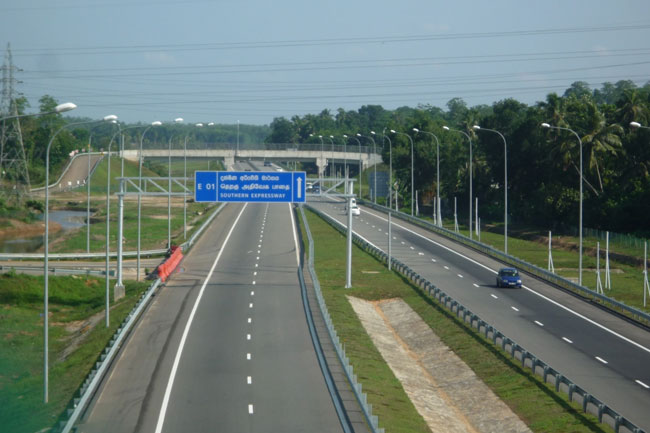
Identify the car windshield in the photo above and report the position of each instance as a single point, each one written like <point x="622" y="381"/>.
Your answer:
<point x="509" y="273"/>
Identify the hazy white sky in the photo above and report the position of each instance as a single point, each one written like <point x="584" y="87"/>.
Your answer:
<point x="252" y="60"/>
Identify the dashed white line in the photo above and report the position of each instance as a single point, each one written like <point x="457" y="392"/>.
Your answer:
<point x="459" y="276"/>
<point x="494" y="296"/>
<point x="250" y="409"/>
<point x="475" y="285"/>
<point x="642" y="384"/>
<point x="446" y="267"/>
<point x="515" y="308"/>
<point x="257" y="258"/>
<point x="602" y="360"/>
<point x="256" y="264"/>
<point x="539" y="323"/>
<point x="412" y="248"/>
<point x="420" y="254"/>
<point x="250" y="320"/>
<point x="248" y="336"/>
<point x="252" y="293"/>
<point x="433" y="260"/>
<point x="259" y="251"/>
<point x="249" y="380"/>
<point x="567" y="340"/>
<point x="255" y="273"/>
<point x="403" y="243"/>
<point x="248" y="356"/>
<point x="250" y="305"/>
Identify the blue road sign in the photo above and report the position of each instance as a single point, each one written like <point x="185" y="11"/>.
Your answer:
<point x="250" y="187"/>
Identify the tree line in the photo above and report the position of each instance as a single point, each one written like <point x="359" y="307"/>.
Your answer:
<point x="543" y="164"/>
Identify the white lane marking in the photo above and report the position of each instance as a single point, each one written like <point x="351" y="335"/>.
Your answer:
<point x="295" y="235"/>
<point x="475" y="285"/>
<point x="248" y="356"/>
<point x="252" y="293"/>
<point x="253" y="282"/>
<point x="420" y="254"/>
<point x="256" y="264"/>
<point x="249" y="380"/>
<point x="602" y="360"/>
<point x="254" y="273"/>
<point x="259" y="246"/>
<point x="567" y="340"/>
<point x="379" y="229"/>
<point x="373" y="227"/>
<point x="446" y="267"/>
<point x="412" y="248"/>
<point x="515" y="308"/>
<point x="250" y="320"/>
<point x="494" y="296"/>
<point x="434" y="260"/>
<point x="394" y="238"/>
<point x="539" y="323"/>
<point x="642" y="384"/>
<point x="403" y="243"/>
<point x="250" y="409"/>
<point x="250" y="305"/>
<point x="248" y="336"/>
<point x="546" y="298"/>
<point x="259" y="251"/>
<point x="459" y="276"/>
<point x="188" y="324"/>
<point x="257" y="258"/>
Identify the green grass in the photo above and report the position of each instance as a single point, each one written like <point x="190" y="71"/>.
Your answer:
<point x="21" y="333"/>
<point x="533" y="401"/>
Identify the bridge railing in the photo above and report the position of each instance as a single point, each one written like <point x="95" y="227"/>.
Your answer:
<point x="327" y="147"/>
<point x="527" y="359"/>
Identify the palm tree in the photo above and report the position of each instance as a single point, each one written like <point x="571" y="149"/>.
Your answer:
<point x="600" y="140"/>
<point x="631" y="107"/>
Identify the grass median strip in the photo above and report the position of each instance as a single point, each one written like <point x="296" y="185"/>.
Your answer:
<point x="534" y="402"/>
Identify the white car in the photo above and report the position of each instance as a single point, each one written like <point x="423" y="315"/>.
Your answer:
<point x="355" y="210"/>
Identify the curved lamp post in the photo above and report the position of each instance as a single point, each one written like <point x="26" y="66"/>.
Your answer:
<point x="411" y="140"/>
<point x="437" y="205"/>
<point x="360" y="164"/>
<point x="637" y="125"/>
<point x="198" y="125"/>
<point x="374" y="146"/>
<point x="156" y="123"/>
<point x="331" y="137"/>
<point x="321" y="173"/>
<point x="46" y="244"/>
<point x="390" y="169"/>
<point x="547" y="126"/>
<point x="169" y="188"/>
<point x="61" y="108"/>
<point x="446" y="128"/>
<point x="505" y="183"/>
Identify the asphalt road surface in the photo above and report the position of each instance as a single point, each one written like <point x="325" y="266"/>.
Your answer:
<point x="602" y="353"/>
<point x="225" y="345"/>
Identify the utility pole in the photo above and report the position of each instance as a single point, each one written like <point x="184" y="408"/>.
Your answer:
<point x="13" y="164"/>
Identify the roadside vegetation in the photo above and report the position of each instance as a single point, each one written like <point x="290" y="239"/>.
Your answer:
<point x="535" y="402"/>
<point x="77" y="335"/>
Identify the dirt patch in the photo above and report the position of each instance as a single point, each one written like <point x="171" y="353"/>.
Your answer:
<point x="19" y="228"/>
<point x="78" y="331"/>
<point x="444" y="390"/>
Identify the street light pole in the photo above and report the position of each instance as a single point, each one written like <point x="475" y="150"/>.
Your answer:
<point x="61" y="108"/>
<point x="412" y="165"/>
<point x="390" y="170"/>
<point x="547" y="126"/>
<point x="169" y="188"/>
<point x="360" y="163"/>
<point x="374" y="151"/>
<point x="46" y="243"/>
<point x="331" y="137"/>
<point x="437" y="204"/>
<point x="505" y="184"/>
<point x="446" y="128"/>
<point x="141" y="158"/>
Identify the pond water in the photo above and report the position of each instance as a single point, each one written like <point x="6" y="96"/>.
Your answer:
<point x="68" y="219"/>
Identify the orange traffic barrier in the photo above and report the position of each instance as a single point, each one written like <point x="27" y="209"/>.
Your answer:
<point x="166" y="268"/>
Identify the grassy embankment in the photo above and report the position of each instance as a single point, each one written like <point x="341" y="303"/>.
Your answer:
<point x="77" y="335"/>
<point x="533" y="401"/>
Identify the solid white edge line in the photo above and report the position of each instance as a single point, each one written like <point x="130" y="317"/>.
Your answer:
<point x="604" y="328"/>
<point x="515" y="308"/>
<point x="567" y="340"/>
<point x="642" y="384"/>
<point x="295" y="235"/>
<point x="177" y="358"/>
<point x="601" y="360"/>
<point x="494" y="296"/>
<point x="475" y="285"/>
<point x="539" y="323"/>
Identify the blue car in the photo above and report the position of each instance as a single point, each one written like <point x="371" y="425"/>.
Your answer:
<point x="508" y="277"/>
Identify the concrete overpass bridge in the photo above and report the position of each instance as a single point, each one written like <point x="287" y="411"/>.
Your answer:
<point x="321" y="155"/>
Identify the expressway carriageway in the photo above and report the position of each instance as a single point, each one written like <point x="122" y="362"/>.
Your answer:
<point x="604" y="354"/>
<point x="224" y="346"/>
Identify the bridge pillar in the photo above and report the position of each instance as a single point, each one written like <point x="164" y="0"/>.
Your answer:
<point x="321" y="163"/>
<point x="229" y="162"/>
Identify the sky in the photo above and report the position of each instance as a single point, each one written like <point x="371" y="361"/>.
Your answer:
<point x="249" y="61"/>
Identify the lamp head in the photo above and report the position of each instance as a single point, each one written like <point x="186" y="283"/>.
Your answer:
<point x="545" y="125"/>
<point x="110" y="118"/>
<point x="416" y="130"/>
<point x="358" y="135"/>
<point x="320" y="136"/>
<point x="635" y="125"/>
<point x="331" y="136"/>
<point x="476" y="127"/>
<point x="211" y="124"/>
<point x="178" y="120"/>
<point x="156" y="123"/>
<point x="66" y="106"/>
<point x="311" y="135"/>
<point x="345" y="136"/>
<point x="372" y="132"/>
<point x="393" y="131"/>
<point x="199" y="125"/>
<point x="446" y="128"/>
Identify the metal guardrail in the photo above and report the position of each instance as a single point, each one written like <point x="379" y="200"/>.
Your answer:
<point x="77" y="256"/>
<point x="55" y="271"/>
<point x="89" y="386"/>
<point x="357" y="388"/>
<point x="634" y="313"/>
<point x="589" y="403"/>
